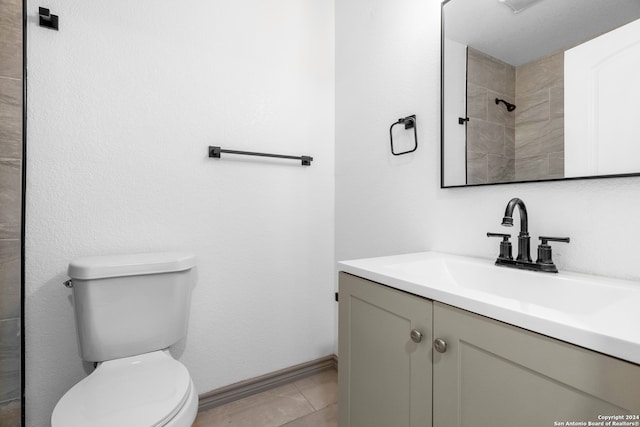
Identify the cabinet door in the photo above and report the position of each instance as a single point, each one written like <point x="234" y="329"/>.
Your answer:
<point x="384" y="376"/>
<point x="493" y="374"/>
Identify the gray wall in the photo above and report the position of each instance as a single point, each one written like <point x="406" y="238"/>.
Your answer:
<point x="491" y="128"/>
<point x="540" y="118"/>
<point x="526" y="144"/>
<point x="10" y="208"/>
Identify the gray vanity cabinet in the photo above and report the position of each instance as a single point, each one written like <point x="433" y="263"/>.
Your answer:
<point x="482" y="373"/>
<point x="384" y="375"/>
<point x="494" y="374"/>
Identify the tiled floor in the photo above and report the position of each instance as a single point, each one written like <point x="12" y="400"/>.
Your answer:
<point x="309" y="402"/>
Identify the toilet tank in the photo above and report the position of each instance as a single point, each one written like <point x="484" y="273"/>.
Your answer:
<point x="131" y="304"/>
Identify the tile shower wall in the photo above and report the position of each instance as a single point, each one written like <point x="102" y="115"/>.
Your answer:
<point x="539" y="138"/>
<point x="10" y="209"/>
<point x="490" y="130"/>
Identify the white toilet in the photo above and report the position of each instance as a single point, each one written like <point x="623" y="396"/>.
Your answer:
<point x="129" y="309"/>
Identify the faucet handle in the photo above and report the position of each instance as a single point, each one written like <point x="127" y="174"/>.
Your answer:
<point x="553" y="239"/>
<point x="544" y="253"/>
<point x="505" y="237"/>
<point x="505" y="245"/>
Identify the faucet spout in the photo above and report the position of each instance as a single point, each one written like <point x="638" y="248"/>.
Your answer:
<point x="524" y="251"/>
<point x="507" y="221"/>
<point x="523" y="260"/>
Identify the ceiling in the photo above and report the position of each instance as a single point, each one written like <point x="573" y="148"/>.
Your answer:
<point x="544" y="28"/>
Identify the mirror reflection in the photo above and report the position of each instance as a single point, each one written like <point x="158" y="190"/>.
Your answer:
<point x="539" y="89"/>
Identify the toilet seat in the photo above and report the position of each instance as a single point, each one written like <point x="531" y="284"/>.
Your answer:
<point x="138" y="391"/>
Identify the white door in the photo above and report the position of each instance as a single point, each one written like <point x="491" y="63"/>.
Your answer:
<point x="602" y="90"/>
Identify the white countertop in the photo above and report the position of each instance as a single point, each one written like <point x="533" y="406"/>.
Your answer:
<point x="597" y="313"/>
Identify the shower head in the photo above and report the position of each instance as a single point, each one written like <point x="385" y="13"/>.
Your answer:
<point x="510" y="106"/>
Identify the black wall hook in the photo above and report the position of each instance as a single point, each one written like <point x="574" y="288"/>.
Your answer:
<point x="48" y="20"/>
<point x="409" y="123"/>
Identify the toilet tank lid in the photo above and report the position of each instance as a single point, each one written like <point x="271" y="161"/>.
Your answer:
<point x="99" y="267"/>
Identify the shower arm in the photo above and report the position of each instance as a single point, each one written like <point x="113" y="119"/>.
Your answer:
<point x="510" y="106"/>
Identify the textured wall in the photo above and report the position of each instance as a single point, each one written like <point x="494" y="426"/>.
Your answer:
<point x="123" y="102"/>
<point x="387" y="205"/>
<point x="10" y="209"/>
<point x="383" y="49"/>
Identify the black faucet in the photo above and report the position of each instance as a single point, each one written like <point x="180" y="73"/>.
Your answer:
<point x="523" y="260"/>
<point x="524" y="245"/>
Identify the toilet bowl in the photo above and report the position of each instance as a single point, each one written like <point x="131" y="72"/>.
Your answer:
<point x="149" y="390"/>
<point x="129" y="310"/>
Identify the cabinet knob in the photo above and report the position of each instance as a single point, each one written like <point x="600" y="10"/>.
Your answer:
<point x="440" y="345"/>
<point x="416" y="335"/>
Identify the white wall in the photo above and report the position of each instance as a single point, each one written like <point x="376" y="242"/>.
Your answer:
<point x="387" y="63"/>
<point x="383" y="49"/>
<point x="123" y="102"/>
<point x="455" y="107"/>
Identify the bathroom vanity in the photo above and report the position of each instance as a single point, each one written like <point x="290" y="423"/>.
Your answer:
<point x="439" y="340"/>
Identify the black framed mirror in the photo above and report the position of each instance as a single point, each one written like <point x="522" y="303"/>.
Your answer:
<point x="537" y="90"/>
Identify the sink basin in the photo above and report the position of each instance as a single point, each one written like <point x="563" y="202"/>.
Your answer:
<point x="563" y="292"/>
<point x="594" y="312"/>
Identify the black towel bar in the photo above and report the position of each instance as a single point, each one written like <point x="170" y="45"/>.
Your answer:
<point x="216" y="151"/>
